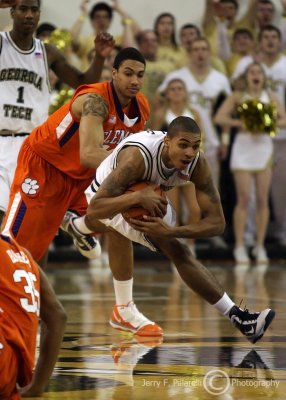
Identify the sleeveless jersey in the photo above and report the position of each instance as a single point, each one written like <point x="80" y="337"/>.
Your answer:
<point x="19" y="303"/>
<point x="57" y="140"/>
<point x="150" y="144"/>
<point x="24" y="85"/>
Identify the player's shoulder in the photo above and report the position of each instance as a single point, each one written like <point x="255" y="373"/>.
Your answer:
<point x="97" y="88"/>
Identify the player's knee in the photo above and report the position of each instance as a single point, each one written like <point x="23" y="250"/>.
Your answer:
<point x="178" y="251"/>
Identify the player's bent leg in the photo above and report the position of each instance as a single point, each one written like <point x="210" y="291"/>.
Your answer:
<point x="199" y="279"/>
<point x="193" y="273"/>
<point x="27" y="222"/>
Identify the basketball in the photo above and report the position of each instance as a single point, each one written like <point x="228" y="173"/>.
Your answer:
<point x="139" y="212"/>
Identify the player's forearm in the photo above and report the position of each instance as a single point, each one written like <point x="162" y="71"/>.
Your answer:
<point x="92" y="158"/>
<point x="107" y="207"/>
<point x="206" y="227"/>
<point x="93" y="74"/>
<point x="50" y="342"/>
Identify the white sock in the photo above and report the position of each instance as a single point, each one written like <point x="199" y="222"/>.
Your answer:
<point x="224" y="304"/>
<point x="81" y="225"/>
<point x="123" y="291"/>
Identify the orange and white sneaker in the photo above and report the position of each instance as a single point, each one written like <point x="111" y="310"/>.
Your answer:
<point x="128" y="318"/>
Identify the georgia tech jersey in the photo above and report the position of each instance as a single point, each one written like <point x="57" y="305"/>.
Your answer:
<point x="24" y="85"/>
<point x="150" y="144"/>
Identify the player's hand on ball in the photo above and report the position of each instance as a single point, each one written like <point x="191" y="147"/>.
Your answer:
<point x="152" y="226"/>
<point x="150" y="199"/>
<point x="155" y="204"/>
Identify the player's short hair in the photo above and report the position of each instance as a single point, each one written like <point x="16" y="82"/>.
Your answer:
<point x="183" y="124"/>
<point x="101" y="6"/>
<point x="128" y="53"/>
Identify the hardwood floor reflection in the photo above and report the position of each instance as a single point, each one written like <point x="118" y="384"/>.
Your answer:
<point x="201" y="355"/>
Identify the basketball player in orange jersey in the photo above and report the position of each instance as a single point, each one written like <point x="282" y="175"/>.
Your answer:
<point x="26" y="295"/>
<point x="24" y="83"/>
<point x="58" y="160"/>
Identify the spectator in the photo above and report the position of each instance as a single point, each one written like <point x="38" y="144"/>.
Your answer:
<point x="156" y="70"/>
<point x="100" y="17"/>
<point x="190" y="32"/>
<point x="165" y="29"/>
<point x="251" y="156"/>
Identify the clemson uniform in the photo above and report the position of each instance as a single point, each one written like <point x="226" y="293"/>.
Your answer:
<point x="49" y="178"/>
<point x="19" y="312"/>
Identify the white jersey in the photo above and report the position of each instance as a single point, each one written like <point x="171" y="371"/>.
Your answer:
<point x="202" y="95"/>
<point x="150" y="144"/>
<point x="24" y="85"/>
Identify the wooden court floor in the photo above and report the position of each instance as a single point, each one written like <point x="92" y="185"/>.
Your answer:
<point x="202" y="356"/>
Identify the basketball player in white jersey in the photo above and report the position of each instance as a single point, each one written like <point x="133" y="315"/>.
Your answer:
<point x="166" y="160"/>
<point x="24" y="83"/>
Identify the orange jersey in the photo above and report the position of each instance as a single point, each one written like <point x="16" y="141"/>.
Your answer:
<point x="57" y="139"/>
<point x="19" y="304"/>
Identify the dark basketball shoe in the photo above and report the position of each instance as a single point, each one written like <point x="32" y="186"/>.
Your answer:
<point x="87" y="245"/>
<point x="251" y="325"/>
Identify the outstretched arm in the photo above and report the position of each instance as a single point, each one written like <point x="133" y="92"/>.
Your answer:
<point x="209" y="16"/>
<point x="72" y="76"/>
<point x="53" y="320"/>
<point x="77" y="26"/>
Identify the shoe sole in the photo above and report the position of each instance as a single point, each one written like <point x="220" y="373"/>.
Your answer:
<point x="268" y="319"/>
<point x="121" y="327"/>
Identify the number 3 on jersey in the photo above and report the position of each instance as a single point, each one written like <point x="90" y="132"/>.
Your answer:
<point x="32" y="303"/>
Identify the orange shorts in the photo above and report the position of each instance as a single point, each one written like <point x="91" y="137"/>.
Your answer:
<point x="9" y="366"/>
<point x="40" y="195"/>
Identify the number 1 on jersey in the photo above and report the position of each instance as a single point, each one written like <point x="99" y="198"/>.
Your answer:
<point x="20" y="98"/>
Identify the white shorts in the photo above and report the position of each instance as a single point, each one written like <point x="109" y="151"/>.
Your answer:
<point x="119" y="224"/>
<point x="9" y="150"/>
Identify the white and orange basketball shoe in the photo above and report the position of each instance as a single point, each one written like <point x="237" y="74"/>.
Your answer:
<point x="128" y="318"/>
<point x="86" y="244"/>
